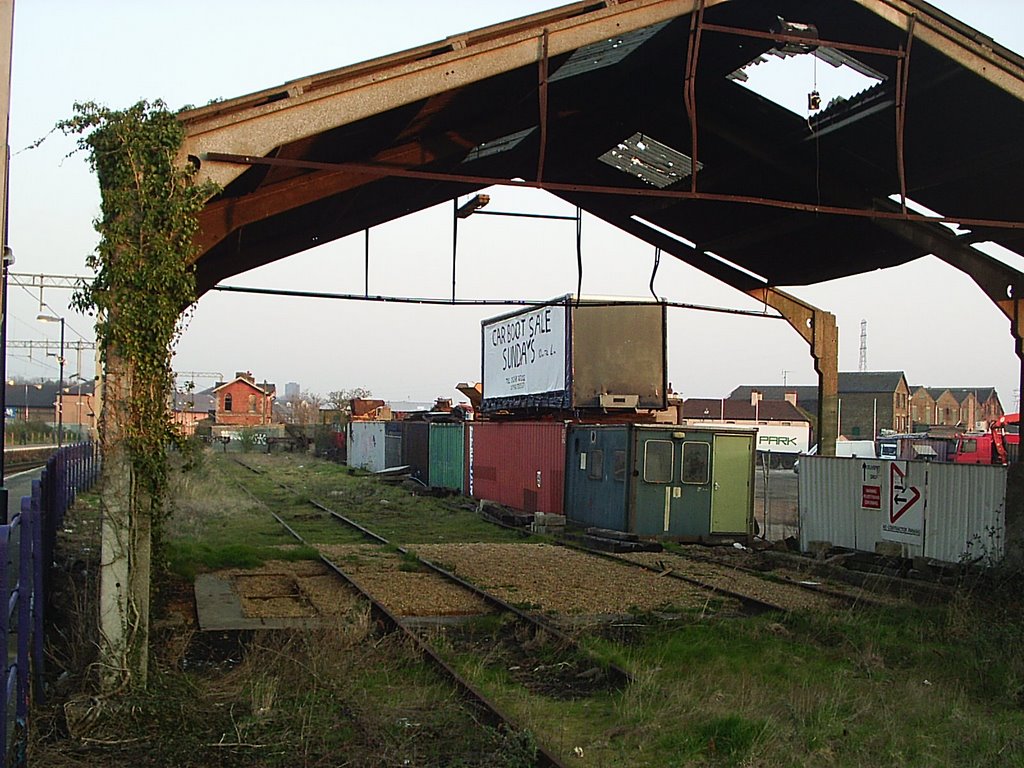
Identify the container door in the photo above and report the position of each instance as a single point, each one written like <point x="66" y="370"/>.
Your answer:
<point x="655" y="462"/>
<point x="691" y="507"/>
<point x="731" y="491"/>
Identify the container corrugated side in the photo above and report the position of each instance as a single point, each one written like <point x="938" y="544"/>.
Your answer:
<point x="966" y="512"/>
<point x="829" y="498"/>
<point x="446" y="456"/>
<point x="518" y="464"/>
<point x="366" y="445"/>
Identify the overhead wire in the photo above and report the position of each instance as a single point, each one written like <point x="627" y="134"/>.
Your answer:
<point x="425" y="300"/>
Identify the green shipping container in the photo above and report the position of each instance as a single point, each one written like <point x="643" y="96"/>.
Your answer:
<point x="447" y="456"/>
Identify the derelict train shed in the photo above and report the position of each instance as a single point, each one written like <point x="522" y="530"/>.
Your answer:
<point x="612" y="105"/>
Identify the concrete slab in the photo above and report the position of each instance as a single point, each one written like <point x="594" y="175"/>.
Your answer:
<point x="219" y="608"/>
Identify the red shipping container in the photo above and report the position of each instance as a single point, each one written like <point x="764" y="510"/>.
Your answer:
<point x="518" y="464"/>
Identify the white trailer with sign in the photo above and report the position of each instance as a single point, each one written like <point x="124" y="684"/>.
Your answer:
<point x="594" y="354"/>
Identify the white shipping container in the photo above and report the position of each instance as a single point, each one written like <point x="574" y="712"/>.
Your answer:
<point x="366" y="445"/>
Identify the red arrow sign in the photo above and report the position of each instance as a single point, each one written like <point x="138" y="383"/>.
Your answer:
<point x="903" y="496"/>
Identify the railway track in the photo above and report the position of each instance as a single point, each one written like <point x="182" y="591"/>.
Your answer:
<point x="852" y="598"/>
<point x="655" y="563"/>
<point x="494" y="716"/>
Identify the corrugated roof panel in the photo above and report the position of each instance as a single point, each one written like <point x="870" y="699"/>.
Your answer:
<point x="605" y="53"/>
<point x="503" y="144"/>
<point x="649" y="160"/>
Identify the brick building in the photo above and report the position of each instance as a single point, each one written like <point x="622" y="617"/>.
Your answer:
<point x="967" y="408"/>
<point x="244" y="403"/>
<point x="869" y="401"/>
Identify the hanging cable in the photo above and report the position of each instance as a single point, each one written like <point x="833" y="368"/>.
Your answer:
<point x="579" y="254"/>
<point x="455" y="240"/>
<point x="654" y="272"/>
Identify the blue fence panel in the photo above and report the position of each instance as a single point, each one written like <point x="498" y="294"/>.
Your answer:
<point x="71" y="469"/>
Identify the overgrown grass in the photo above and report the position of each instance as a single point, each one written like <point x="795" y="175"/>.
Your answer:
<point x="389" y="510"/>
<point x="909" y="686"/>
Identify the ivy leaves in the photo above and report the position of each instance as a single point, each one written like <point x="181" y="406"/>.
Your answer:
<point x="143" y="280"/>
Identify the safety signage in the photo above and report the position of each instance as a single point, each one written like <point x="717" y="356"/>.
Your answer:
<point x="904" y="519"/>
<point x="871" y="485"/>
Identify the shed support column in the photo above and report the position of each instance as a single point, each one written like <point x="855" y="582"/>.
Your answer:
<point x="819" y="330"/>
<point x="1014" y="514"/>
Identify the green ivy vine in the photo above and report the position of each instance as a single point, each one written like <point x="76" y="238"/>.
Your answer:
<point x="144" y="281"/>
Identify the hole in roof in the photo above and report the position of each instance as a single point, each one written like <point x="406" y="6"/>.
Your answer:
<point x="666" y="232"/>
<point x="786" y="78"/>
<point x="736" y="266"/>
<point x="924" y="210"/>
<point x="1001" y="254"/>
<point x="690" y="244"/>
<point x="649" y="160"/>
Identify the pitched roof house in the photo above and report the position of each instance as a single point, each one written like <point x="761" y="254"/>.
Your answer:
<point x="242" y="402"/>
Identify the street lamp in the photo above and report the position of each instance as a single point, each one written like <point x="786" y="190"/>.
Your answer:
<point x="60" y="389"/>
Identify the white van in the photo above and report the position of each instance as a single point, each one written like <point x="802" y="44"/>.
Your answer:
<point x="864" y="449"/>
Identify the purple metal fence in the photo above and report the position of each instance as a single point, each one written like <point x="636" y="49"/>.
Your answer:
<point x="69" y="470"/>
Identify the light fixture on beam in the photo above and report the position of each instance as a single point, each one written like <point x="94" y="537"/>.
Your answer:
<point x="468" y="208"/>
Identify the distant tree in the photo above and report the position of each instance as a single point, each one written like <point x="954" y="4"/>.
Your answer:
<point x="339" y="398"/>
<point x="304" y="407"/>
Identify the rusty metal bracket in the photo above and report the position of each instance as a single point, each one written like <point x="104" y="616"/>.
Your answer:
<point x="542" y="65"/>
<point x="902" y="80"/>
<point x="819" y="330"/>
<point x="690" y="87"/>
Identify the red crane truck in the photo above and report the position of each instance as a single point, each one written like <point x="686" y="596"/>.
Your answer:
<point x="997" y="446"/>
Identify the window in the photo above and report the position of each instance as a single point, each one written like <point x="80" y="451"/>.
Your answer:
<point x="658" y="461"/>
<point x="696" y="463"/>
<point x="619" y="466"/>
<point x="227" y="402"/>
<point x="252" y="403"/>
<point x="595" y="464"/>
<point x="968" y="445"/>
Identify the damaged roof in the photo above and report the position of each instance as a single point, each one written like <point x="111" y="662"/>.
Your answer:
<point x="611" y="106"/>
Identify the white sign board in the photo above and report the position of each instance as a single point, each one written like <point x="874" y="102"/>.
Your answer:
<point x="903" y="521"/>
<point x="770" y="437"/>
<point x="783" y="439"/>
<point x="525" y="354"/>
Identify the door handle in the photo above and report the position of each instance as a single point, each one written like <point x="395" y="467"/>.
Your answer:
<point x="715" y="486"/>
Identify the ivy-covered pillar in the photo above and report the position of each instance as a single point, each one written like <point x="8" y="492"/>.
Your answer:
<point x="143" y="284"/>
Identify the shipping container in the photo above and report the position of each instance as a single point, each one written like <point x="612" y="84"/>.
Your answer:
<point x="447" y="456"/>
<point x="688" y="483"/>
<point x="416" y="449"/>
<point x="568" y="355"/>
<point x="518" y="464"/>
<point x="392" y="444"/>
<point x="366" y="445"/>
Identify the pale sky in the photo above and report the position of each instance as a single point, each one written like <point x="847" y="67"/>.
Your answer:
<point x="924" y="318"/>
